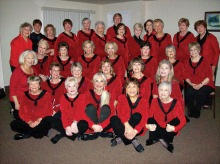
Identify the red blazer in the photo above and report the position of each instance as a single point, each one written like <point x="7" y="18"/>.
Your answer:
<point x="32" y="110"/>
<point x="203" y="71"/>
<point x="181" y="44"/>
<point x="56" y="90"/>
<point x="134" y="48"/>
<point x="82" y="37"/>
<point x="179" y="71"/>
<point x="90" y="65"/>
<point x="84" y="85"/>
<point x="18" y="83"/>
<point x="65" y="66"/>
<point x="114" y="87"/>
<point x="71" y="112"/>
<point x="43" y="65"/>
<point x="99" y="45"/>
<point x="151" y="66"/>
<point x="210" y="49"/>
<point x="111" y="32"/>
<point x="159" y="45"/>
<point x="177" y="112"/>
<point x="18" y="45"/>
<point x="71" y="41"/>
<point x="124" y="110"/>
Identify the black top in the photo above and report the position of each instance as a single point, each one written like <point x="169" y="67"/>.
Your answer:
<point x="35" y="38"/>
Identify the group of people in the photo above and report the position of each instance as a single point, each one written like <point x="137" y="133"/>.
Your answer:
<point x="114" y="85"/>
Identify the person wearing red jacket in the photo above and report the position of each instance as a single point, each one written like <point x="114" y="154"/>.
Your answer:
<point x="182" y="39"/>
<point x="99" y="110"/>
<point x="100" y="39"/>
<point x="199" y="77"/>
<point x="68" y="37"/>
<point x="18" y="81"/>
<point x="72" y="104"/>
<point x="84" y="84"/>
<point x="19" y="44"/>
<point x="165" y="118"/>
<point x="64" y="60"/>
<point x="209" y="45"/>
<point x="160" y="41"/>
<point x="112" y="32"/>
<point x="90" y="61"/>
<point x="136" y="67"/>
<point x="35" y="112"/>
<point x="132" y="111"/>
<point x="117" y="61"/>
<point x="83" y="35"/>
<point x="148" y="26"/>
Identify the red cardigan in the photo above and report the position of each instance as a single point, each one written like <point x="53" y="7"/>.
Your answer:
<point x="124" y="111"/>
<point x="90" y="65"/>
<point x="99" y="45"/>
<point x="18" y="45"/>
<point x="71" y="41"/>
<point x="134" y="48"/>
<point x="43" y="65"/>
<point x="114" y="87"/>
<point x="18" y="83"/>
<point x="179" y="71"/>
<point x="71" y="111"/>
<point x="111" y="32"/>
<point x="31" y="111"/>
<point x="56" y="90"/>
<point x="84" y="85"/>
<point x="177" y="112"/>
<point x="181" y="44"/>
<point x="151" y="66"/>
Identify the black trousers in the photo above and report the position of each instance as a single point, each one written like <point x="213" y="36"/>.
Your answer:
<point x="119" y="127"/>
<point x="161" y="133"/>
<point x="15" y="112"/>
<point x="39" y="131"/>
<point x="57" y="125"/>
<point x="197" y="98"/>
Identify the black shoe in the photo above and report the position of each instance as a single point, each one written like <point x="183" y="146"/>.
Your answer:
<point x="170" y="148"/>
<point x="21" y="136"/>
<point x="139" y="148"/>
<point x="91" y="136"/>
<point x="56" y="138"/>
<point x="150" y="142"/>
<point x="113" y="142"/>
<point x="107" y="134"/>
<point x="187" y="119"/>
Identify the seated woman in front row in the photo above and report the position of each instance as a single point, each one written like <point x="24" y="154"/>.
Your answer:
<point x="132" y="110"/>
<point x="166" y="117"/>
<point x="35" y="112"/>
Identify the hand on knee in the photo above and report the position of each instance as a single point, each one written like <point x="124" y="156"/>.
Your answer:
<point x="74" y="128"/>
<point x="170" y="128"/>
<point x="97" y="128"/>
<point x="151" y="127"/>
<point x="69" y="131"/>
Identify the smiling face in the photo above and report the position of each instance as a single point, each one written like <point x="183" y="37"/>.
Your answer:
<point x="164" y="92"/>
<point x="110" y="49"/>
<point x="106" y="68"/>
<point x="137" y="32"/>
<point x="201" y="30"/>
<point x="164" y="70"/>
<point x="86" y="24"/>
<point x="170" y="53"/>
<point x="132" y="90"/>
<point x="34" y="86"/>
<point x="25" y="32"/>
<point x="158" y="27"/>
<point x="121" y="30"/>
<point x="99" y="83"/>
<point x="117" y="20"/>
<point x="76" y="72"/>
<point x="42" y="49"/>
<point x="37" y="27"/>
<point x="88" y="48"/>
<point x="72" y="88"/>
<point x="194" y="52"/>
<point x="29" y="60"/>
<point x="100" y="29"/>
<point x="50" y="32"/>
<point x="183" y="27"/>
<point x="149" y="26"/>
<point x="145" y="51"/>
<point x="136" y="67"/>
<point x="67" y="27"/>
<point x="63" y="51"/>
<point x="55" y="72"/>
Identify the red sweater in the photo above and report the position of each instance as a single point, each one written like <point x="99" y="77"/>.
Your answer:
<point x="18" y="45"/>
<point x="181" y="44"/>
<point x="57" y="90"/>
<point x="31" y="111"/>
<point x="177" y="112"/>
<point x="179" y="71"/>
<point x="151" y="66"/>
<point x="111" y="32"/>
<point x="210" y="49"/>
<point x="203" y="71"/>
<point x="124" y="110"/>
<point x="71" y="41"/>
<point x="148" y="37"/>
<point x="84" y="85"/>
<point x="159" y="45"/>
<point x="114" y="87"/>
<point x="82" y="37"/>
<point x="134" y="48"/>
<point x="71" y="112"/>
<point x="90" y="65"/>
<point x="43" y="65"/>
<point x="65" y="66"/>
<point x="99" y="45"/>
<point x="51" y="42"/>
<point x="18" y="83"/>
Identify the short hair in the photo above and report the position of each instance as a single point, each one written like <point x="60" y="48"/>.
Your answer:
<point x="167" y="83"/>
<point x="145" y="43"/>
<point x="63" y="44"/>
<point x="77" y="65"/>
<point x="43" y="42"/>
<point x="37" y="21"/>
<point x="117" y="14"/>
<point x="65" y="21"/>
<point x="55" y="64"/>
<point x="185" y="21"/>
<point x="33" y="78"/>
<point x="24" y="53"/>
<point x="137" y="25"/>
<point x="111" y="43"/>
<point x="196" y="44"/>
<point x="99" y="22"/>
<point x="112" y="73"/>
<point x="200" y="22"/>
<point x="158" y="20"/>
<point x="132" y="80"/>
<point x="71" y="80"/>
<point x="145" y="24"/>
<point x="88" y="42"/>
<point x="170" y="46"/>
<point x="84" y="19"/>
<point x="136" y="60"/>
<point x="47" y="26"/>
<point x="25" y="24"/>
<point x="118" y="26"/>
